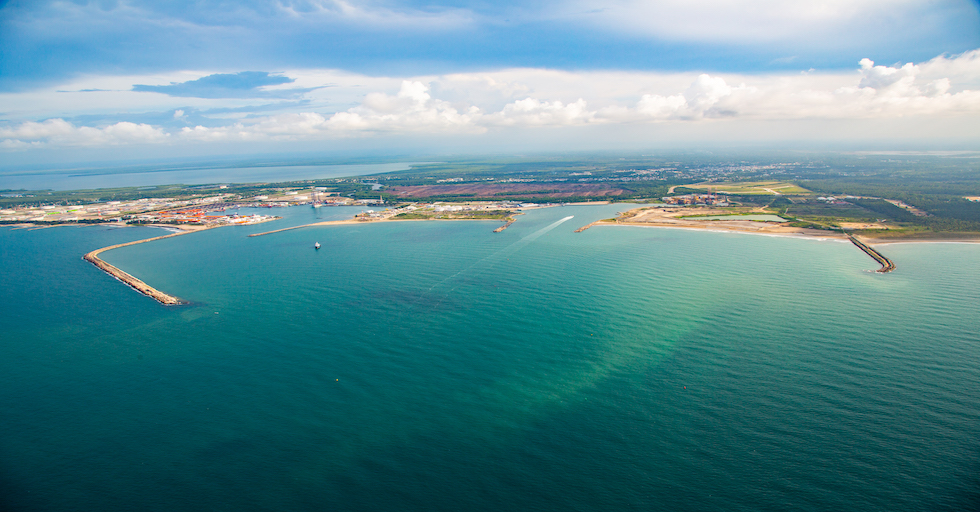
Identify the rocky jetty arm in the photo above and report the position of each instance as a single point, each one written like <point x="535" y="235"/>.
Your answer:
<point x="134" y="283"/>
<point x="886" y="264"/>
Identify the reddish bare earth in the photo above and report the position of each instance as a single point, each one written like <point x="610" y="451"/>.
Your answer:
<point x="510" y="189"/>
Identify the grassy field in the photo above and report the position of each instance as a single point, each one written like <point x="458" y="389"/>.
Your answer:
<point x="478" y="215"/>
<point x="751" y="187"/>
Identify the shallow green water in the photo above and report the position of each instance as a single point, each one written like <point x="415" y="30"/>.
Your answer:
<point x="440" y="366"/>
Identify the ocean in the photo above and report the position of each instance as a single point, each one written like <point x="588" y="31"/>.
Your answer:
<point x="441" y="366"/>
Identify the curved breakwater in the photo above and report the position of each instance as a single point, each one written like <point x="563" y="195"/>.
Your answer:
<point x="133" y="282"/>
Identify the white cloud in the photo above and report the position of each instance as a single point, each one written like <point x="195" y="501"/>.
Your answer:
<point x="533" y="112"/>
<point x="278" y="127"/>
<point x="963" y="70"/>
<point x="500" y="101"/>
<point x="661" y="107"/>
<point x="412" y="109"/>
<point x="14" y="144"/>
<point x="879" y="92"/>
<point x="62" y="133"/>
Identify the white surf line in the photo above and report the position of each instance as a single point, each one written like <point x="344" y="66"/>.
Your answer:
<point x="510" y="249"/>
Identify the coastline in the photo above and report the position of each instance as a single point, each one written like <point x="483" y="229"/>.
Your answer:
<point x="353" y="221"/>
<point x="324" y="223"/>
<point x="921" y="240"/>
<point x="659" y="219"/>
<point x="674" y="219"/>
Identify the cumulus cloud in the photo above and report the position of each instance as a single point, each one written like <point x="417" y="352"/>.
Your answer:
<point x="277" y="127"/>
<point x="896" y="91"/>
<point x="534" y="112"/>
<point x="412" y="109"/>
<point x="476" y="103"/>
<point x="62" y="133"/>
<point x="879" y="92"/>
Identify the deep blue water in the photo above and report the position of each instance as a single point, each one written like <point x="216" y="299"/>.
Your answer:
<point x="440" y="366"/>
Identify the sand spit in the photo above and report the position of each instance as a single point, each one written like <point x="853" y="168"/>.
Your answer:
<point x="359" y="220"/>
<point x="660" y="217"/>
<point x="132" y="282"/>
<point x="370" y="220"/>
<point x="679" y="218"/>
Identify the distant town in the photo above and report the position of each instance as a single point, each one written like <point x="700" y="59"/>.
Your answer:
<point x="222" y="209"/>
<point x="917" y="196"/>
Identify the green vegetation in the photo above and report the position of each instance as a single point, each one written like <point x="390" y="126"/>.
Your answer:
<point x="791" y="184"/>
<point x="460" y="215"/>
<point x="749" y="187"/>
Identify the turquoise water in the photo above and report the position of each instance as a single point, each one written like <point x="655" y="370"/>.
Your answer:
<point x="440" y="366"/>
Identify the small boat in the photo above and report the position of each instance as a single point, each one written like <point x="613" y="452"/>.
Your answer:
<point x="316" y="246"/>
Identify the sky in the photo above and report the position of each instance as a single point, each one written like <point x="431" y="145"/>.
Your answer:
<point x="128" y="78"/>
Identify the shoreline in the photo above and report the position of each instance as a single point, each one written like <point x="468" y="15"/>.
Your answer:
<point x="662" y="219"/>
<point x="819" y="237"/>
<point x="887" y="265"/>
<point x="812" y="234"/>
<point x="347" y="222"/>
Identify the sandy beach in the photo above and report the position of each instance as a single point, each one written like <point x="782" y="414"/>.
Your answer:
<point x="363" y="220"/>
<point x="679" y="218"/>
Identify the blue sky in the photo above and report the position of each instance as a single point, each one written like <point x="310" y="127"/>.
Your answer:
<point x="216" y="76"/>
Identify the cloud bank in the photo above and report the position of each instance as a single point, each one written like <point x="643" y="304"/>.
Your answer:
<point x="62" y="133"/>
<point x="475" y="104"/>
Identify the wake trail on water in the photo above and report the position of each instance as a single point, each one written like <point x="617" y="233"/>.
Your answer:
<point x="495" y="257"/>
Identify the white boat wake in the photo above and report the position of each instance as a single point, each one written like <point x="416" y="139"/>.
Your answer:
<point x="492" y="259"/>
